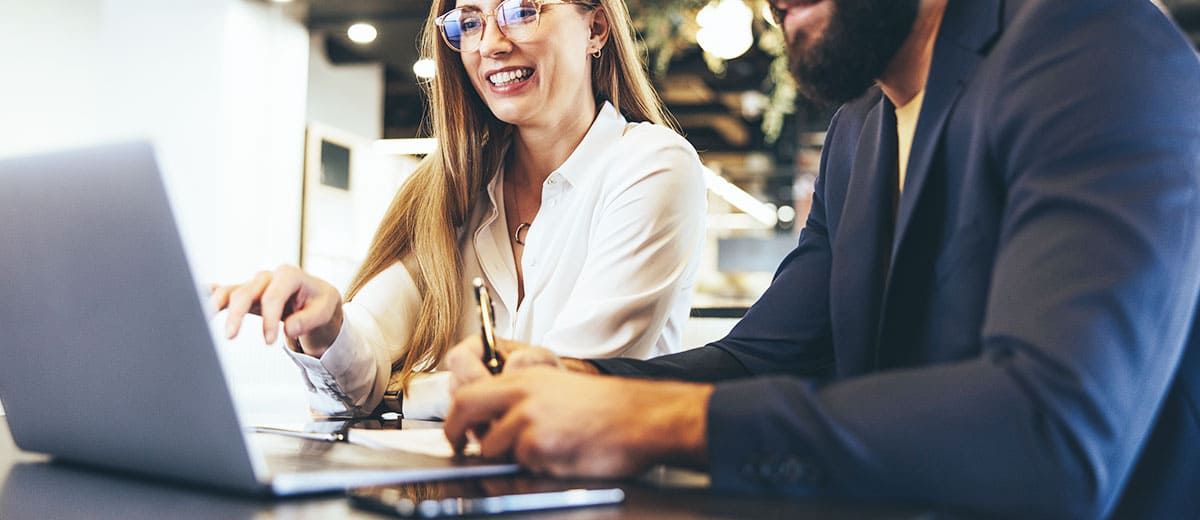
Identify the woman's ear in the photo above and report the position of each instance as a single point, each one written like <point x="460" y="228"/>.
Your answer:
<point x="600" y="30"/>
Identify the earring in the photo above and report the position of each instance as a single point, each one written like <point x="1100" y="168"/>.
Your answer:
<point x="596" y="54"/>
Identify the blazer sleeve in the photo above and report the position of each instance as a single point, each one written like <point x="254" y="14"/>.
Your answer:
<point x="1092" y="296"/>
<point x="786" y="331"/>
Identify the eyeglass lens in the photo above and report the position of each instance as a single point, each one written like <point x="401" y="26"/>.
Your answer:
<point x="463" y="27"/>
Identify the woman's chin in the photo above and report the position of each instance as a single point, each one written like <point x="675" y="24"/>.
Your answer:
<point x="511" y="114"/>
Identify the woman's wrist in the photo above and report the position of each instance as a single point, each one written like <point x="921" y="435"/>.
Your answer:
<point x="318" y="341"/>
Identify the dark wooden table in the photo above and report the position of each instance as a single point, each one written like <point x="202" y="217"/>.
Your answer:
<point x="33" y="487"/>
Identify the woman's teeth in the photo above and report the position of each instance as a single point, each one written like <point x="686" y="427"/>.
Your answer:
<point x="500" y="79"/>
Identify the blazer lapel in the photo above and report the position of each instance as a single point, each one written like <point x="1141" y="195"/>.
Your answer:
<point x="968" y="27"/>
<point x="863" y="243"/>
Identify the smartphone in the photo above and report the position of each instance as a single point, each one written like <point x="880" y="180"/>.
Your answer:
<point x="446" y="499"/>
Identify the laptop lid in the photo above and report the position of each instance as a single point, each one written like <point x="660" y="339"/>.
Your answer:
<point x="105" y="355"/>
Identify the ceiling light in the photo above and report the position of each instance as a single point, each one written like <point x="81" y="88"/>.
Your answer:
<point x="763" y="213"/>
<point x="726" y="28"/>
<point x="425" y="68"/>
<point x="786" y="214"/>
<point x="362" y="33"/>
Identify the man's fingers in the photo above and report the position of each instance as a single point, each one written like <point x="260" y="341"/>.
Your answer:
<point x="476" y="405"/>
<point x="465" y="363"/>
<point x="504" y="432"/>
<point x="506" y="347"/>
<point x="531" y="357"/>
<point x="472" y="347"/>
<point x="241" y="299"/>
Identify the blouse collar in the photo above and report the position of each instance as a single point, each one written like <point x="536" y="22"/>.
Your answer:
<point x="606" y="129"/>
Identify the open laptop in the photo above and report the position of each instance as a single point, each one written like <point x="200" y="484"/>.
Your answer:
<point x="106" y="357"/>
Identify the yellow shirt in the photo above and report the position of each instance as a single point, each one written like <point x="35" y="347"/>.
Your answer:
<point x="906" y="127"/>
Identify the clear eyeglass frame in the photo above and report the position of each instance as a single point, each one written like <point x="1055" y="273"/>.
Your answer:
<point x="517" y="19"/>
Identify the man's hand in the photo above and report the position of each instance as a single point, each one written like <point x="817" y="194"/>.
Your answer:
<point x="465" y="360"/>
<point x="568" y="424"/>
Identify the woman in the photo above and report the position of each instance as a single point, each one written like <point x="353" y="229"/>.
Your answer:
<point x="586" y="228"/>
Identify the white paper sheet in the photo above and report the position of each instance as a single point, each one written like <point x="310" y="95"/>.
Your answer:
<point x="426" y="441"/>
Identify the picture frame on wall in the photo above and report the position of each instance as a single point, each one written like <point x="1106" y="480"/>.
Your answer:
<point x="335" y="164"/>
<point x="326" y="206"/>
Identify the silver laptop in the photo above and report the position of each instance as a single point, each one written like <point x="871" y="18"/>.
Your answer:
<point x="106" y="358"/>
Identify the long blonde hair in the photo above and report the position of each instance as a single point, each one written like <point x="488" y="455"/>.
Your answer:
<point x="420" y="227"/>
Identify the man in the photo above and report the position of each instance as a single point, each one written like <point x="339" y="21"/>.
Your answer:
<point x="1001" y="322"/>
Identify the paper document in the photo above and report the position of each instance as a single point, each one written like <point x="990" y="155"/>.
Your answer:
<point x="426" y="441"/>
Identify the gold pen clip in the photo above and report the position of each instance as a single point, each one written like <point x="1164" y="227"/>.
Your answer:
<point x="487" y="326"/>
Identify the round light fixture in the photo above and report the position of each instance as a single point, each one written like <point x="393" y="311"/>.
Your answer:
<point x="786" y="214"/>
<point x="726" y="28"/>
<point x="362" y="33"/>
<point x="425" y="68"/>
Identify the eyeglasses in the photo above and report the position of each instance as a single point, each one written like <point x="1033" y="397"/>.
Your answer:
<point x="462" y="28"/>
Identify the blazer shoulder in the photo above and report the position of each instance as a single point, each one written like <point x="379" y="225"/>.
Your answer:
<point x="847" y="123"/>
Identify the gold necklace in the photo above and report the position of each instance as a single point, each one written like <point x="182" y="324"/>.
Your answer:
<point x="523" y="226"/>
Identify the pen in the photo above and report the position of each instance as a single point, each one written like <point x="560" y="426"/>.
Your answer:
<point x="487" y="326"/>
<point x="337" y="436"/>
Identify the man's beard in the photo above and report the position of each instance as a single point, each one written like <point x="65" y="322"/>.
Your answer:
<point x="861" y="38"/>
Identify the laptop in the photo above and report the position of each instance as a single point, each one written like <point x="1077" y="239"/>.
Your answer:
<point x="106" y="356"/>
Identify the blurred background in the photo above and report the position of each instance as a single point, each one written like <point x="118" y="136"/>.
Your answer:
<point x="283" y="128"/>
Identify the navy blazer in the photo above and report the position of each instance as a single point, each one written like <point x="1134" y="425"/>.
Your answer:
<point x="1018" y="338"/>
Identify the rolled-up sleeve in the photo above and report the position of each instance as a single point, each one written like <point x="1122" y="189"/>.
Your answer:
<point x="352" y="376"/>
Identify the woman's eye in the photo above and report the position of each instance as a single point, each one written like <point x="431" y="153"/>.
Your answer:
<point x="471" y="24"/>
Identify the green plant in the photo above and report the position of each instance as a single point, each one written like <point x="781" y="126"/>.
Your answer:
<point x="667" y="27"/>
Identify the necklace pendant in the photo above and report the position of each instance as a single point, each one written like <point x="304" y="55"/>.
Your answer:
<point x="524" y="226"/>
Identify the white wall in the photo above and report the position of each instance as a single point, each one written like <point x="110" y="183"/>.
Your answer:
<point x="219" y="86"/>
<point x="346" y="97"/>
<point x="48" y="95"/>
<point x="345" y="102"/>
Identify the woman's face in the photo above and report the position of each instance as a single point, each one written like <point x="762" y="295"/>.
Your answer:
<point x="540" y="78"/>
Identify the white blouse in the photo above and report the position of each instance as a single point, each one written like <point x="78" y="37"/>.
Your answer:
<point x="609" y="264"/>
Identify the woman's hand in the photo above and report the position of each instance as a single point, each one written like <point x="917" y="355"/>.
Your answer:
<point x="309" y="308"/>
